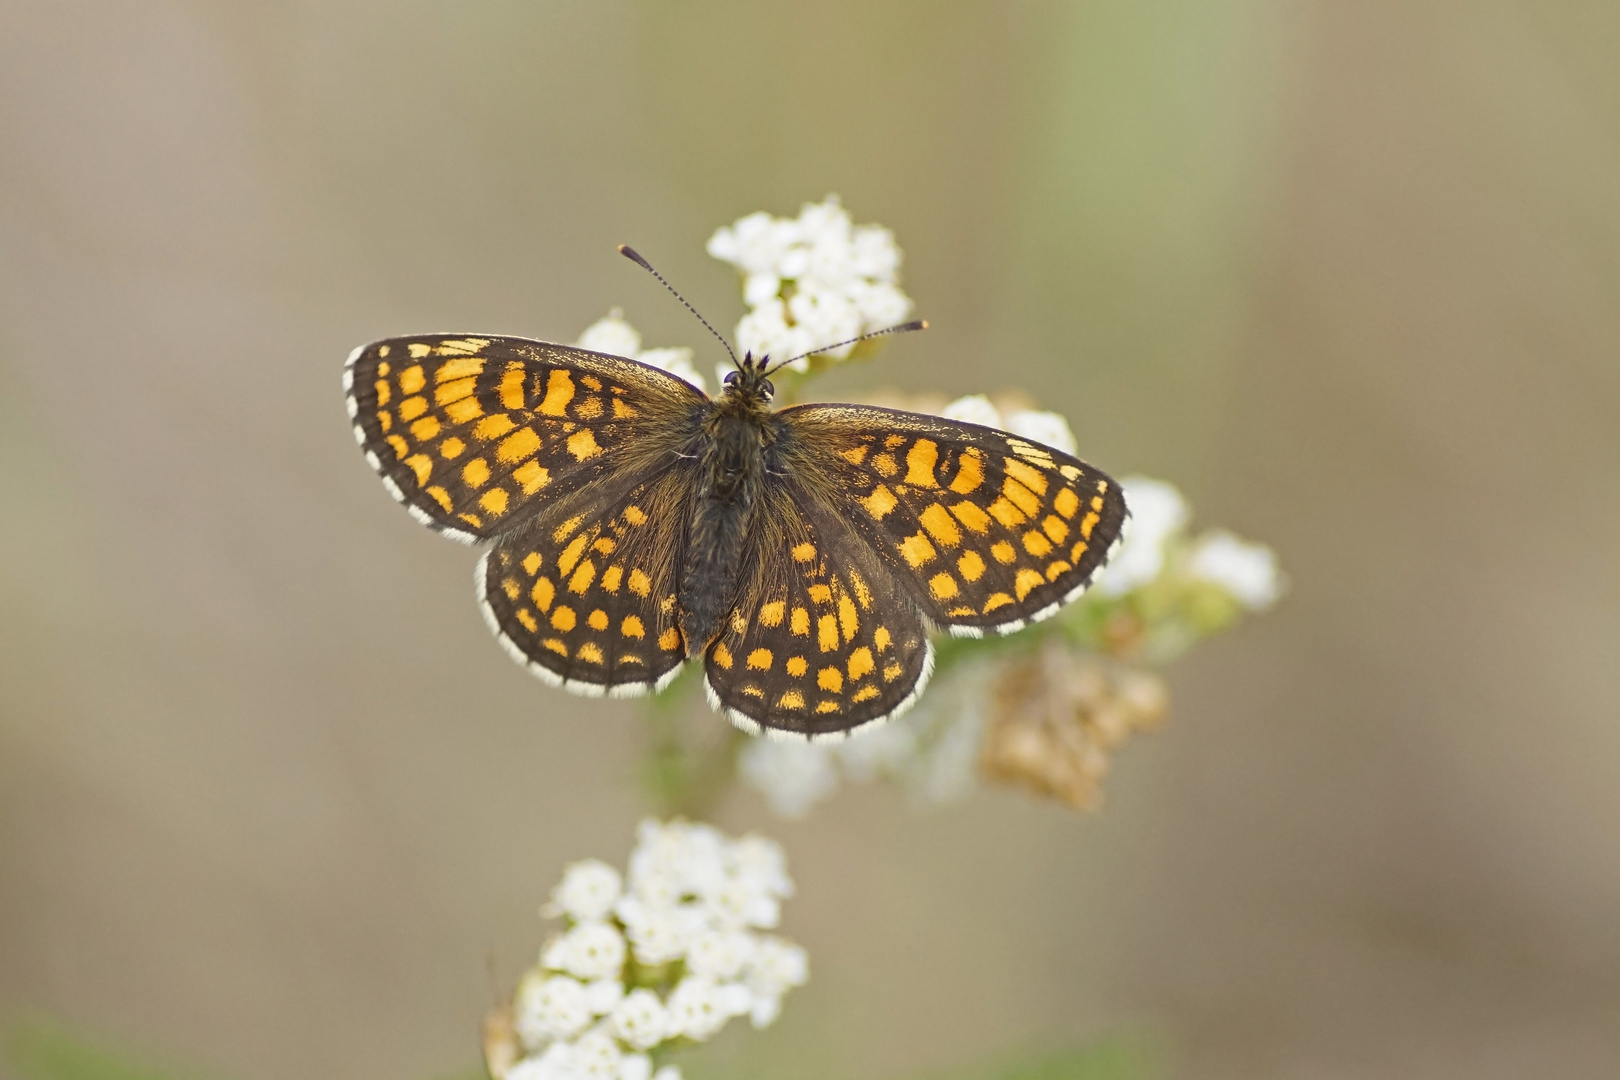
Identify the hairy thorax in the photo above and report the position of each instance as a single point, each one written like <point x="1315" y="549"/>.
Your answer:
<point x="731" y="471"/>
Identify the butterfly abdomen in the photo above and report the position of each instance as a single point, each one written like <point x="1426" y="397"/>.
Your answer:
<point x="730" y="474"/>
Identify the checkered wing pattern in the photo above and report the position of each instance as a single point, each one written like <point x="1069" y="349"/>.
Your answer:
<point x="475" y="434"/>
<point x="987" y="531"/>
<point x="823" y="638"/>
<point x="584" y="596"/>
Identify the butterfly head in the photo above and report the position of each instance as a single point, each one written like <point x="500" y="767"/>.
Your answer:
<point x="747" y="386"/>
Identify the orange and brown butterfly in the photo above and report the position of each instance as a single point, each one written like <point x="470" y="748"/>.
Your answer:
<point x="632" y="523"/>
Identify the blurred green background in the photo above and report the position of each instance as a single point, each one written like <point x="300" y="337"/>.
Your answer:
<point x="1348" y="273"/>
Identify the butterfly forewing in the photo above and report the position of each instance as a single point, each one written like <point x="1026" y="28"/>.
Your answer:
<point x="473" y="433"/>
<point x="989" y="531"/>
<point x="585" y="595"/>
<point x="822" y="639"/>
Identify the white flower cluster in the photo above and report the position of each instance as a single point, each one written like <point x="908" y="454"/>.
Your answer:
<point x="812" y="281"/>
<point x="1043" y="427"/>
<point x="1247" y="571"/>
<point x="671" y="951"/>
<point x="613" y="335"/>
<point x="932" y="751"/>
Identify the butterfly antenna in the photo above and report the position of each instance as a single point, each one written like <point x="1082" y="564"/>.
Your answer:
<point x="903" y="328"/>
<point x="634" y="256"/>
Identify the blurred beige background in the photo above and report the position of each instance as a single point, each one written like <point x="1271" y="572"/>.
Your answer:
<point x="1347" y="273"/>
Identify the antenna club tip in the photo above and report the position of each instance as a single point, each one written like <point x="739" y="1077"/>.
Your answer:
<point x="922" y="324"/>
<point x="633" y="255"/>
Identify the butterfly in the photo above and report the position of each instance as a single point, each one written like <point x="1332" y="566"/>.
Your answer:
<point x="633" y="523"/>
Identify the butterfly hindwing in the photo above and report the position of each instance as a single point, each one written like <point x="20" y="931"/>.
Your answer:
<point x="822" y="639"/>
<point x="585" y="595"/>
<point x="988" y="530"/>
<point x="474" y="433"/>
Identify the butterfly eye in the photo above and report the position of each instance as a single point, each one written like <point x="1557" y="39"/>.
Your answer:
<point x="768" y="389"/>
<point x="732" y="377"/>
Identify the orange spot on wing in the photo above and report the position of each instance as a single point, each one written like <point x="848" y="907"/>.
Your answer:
<point x="512" y="380"/>
<point x="1005" y="512"/>
<point x="920" y="462"/>
<point x="532" y="476"/>
<point x="1027" y="475"/>
<point x="582" y="444"/>
<point x="1020" y="496"/>
<point x="916" y="549"/>
<point x="570" y="554"/>
<point x="971" y="515"/>
<point x="520" y="444"/>
<point x="969" y="472"/>
<point x="445" y="393"/>
<point x="847" y="619"/>
<point x="559" y="392"/>
<point x="937" y="520"/>
<point x="880" y="502"/>
<point x="827" y="633"/>
<point x="1026" y="581"/>
<point x="493" y="427"/>
<point x="494" y="501"/>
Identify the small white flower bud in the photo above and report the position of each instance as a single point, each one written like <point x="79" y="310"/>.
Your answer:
<point x="588" y="891"/>
<point x="1043" y="427"/>
<point x="696" y="1009"/>
<point x="973" y="409"/>
<point x="640" y="1020"/>
<point x="549" y="1008"/>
